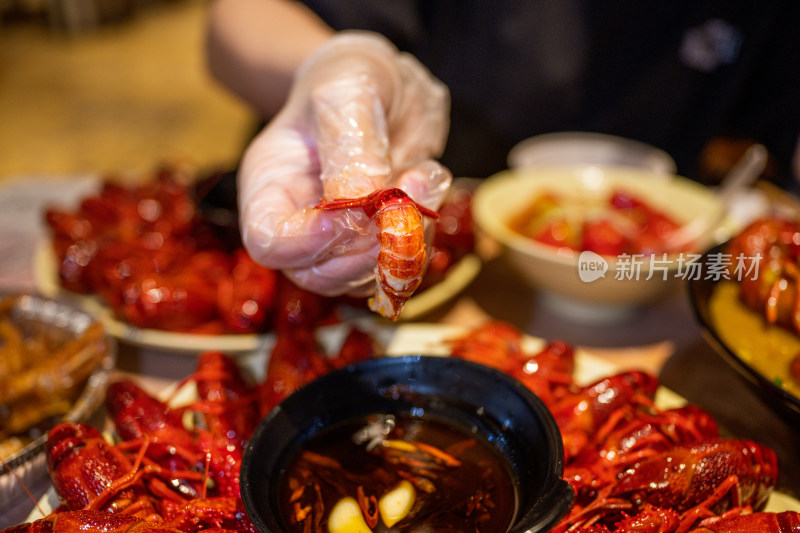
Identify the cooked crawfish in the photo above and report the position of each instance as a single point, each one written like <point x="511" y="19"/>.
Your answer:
<point x="794" y="368"/>
<point x="689" y="475"/>
<point x="774" y="246"/>
<point x="101" y="489"/>
<point x="218" y="514"/>
<point x="71" y="521"/>
<point x="226" y="399"/>
<point x="494" y="343"/>
<point x="454" y="237"/>
<point x="138" y="415"/>
<point x="167" y="475"/>
<point x="152" y="257"/>
<point x="89" y="473"/>
<point x="228" y="409"/>
<point x="785" y="522"/>
<point x="500" y="345"/>
<point x="630" y="435"/>
<point x="298" y="308"/>
<point x="582" y="413"/>
<point x="246" y="297"/>
<point x="635" y="467"/>
<point x="696" y="481"/>
<point x="633" y="432"/>
<point x="402" y="257"/>
<point x="297" y="358"/>
<point x="357" y="346"/>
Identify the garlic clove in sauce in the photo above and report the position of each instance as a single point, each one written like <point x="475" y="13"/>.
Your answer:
<point x="346" y="517"/>
<point x="397" y="503"/>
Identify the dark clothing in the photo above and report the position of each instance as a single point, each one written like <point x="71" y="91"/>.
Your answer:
<point x="671" y="73"/>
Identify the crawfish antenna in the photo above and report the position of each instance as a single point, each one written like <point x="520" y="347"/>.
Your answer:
<point x="24" y="487"/>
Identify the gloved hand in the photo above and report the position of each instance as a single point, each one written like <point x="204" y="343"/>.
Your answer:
<point x="361" y="116"/>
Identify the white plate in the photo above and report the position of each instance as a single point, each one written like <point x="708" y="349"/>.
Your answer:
<point x="457" y="279"/>
<point x="430" y="339"/>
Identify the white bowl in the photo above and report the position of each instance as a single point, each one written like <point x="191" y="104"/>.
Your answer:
<point x="573" y="147"/>
<point x="572" y="281"/>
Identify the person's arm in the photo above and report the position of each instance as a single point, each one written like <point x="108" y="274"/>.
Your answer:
<point x="254" y="47"/>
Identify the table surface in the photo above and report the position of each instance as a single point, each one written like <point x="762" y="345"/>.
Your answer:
<point x="663" y="338"/>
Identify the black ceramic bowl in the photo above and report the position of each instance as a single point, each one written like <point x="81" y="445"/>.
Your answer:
<point x="471" y="396"/>
<point x="701" y="291"/>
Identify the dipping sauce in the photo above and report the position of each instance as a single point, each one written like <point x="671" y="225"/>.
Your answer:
<point x="417" y="474"/>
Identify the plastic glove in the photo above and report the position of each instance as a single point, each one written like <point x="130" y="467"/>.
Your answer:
<point x="361" y="116"/>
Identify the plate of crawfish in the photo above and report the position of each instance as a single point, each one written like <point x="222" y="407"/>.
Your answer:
<point x="161" y="268"/>
<point x="747" y="299"/>
<point x="622" y="434"/>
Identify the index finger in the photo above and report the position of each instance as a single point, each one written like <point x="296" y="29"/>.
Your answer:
<point x="278" y="187"/>
<point x="351" y="131"/>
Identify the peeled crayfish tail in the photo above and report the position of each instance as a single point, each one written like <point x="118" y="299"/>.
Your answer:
<point x="401" y="260"/>
<point x="402" y="256"/>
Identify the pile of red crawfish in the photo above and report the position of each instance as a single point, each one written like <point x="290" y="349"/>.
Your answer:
<point x="771" y="286"/>
<point x="148" y="253"/>
<point x="158" y="260"/>
<point x="633" y="466"/>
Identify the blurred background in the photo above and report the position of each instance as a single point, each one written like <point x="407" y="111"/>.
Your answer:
<point x="96" y="86"/>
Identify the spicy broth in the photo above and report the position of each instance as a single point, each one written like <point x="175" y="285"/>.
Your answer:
<point x="768" y="348"/>
<point x="461" y="483"/>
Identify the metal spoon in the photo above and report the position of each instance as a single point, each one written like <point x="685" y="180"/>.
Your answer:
<point x="741" y="176"/>
<point x="744" y="173"/>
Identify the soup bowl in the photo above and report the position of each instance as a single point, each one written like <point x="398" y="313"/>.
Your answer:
<point x="585" y="147"/>
<point x="482" y="402"/>
<point x="579" y="283"/>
